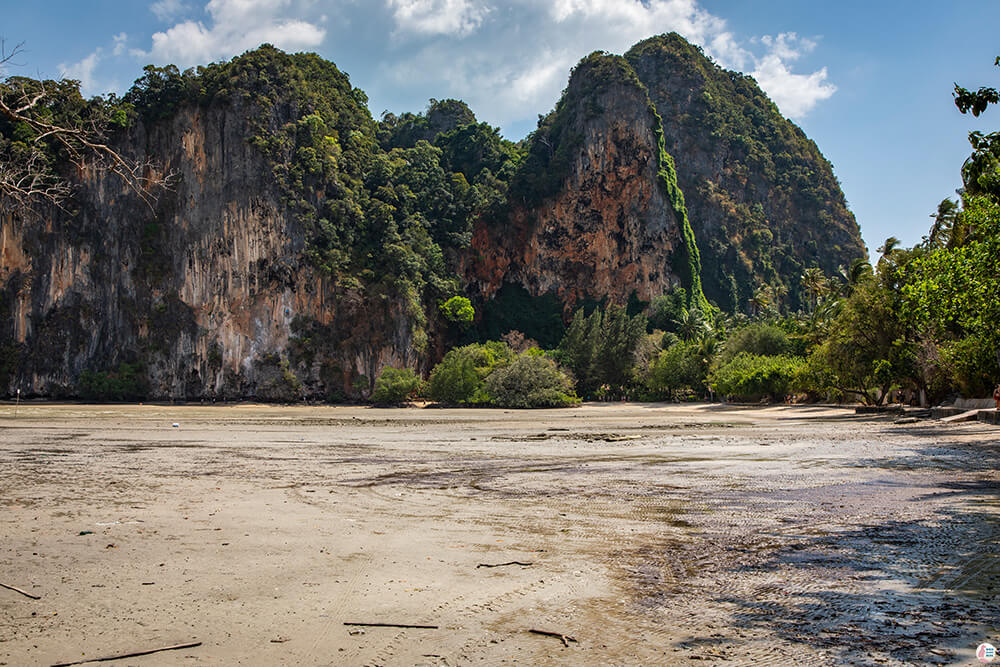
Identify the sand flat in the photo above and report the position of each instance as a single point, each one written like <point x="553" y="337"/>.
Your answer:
<point x="656" y="534"/>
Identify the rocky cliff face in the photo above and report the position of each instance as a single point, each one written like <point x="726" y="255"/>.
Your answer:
<point x="762" y="199"/>
<point x="600" y="212"/>
<point x="210" y="293"/>
<point x="603" y="227"/>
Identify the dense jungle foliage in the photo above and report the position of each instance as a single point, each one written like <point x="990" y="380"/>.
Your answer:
<point x="384" y="204"/>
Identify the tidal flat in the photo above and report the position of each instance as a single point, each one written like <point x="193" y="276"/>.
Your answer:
<point x="644" y="533"/>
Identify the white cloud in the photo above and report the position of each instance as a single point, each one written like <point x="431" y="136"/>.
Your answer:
<point x="550" y="73"/>
<point x="640" y="18"/>
<point x="438" y="17"/>
<point x="120" y="40"/>
<point x="509" y="59"/>
<point x="236" y="25"/>
<point x="795" y="94"/>
<point x="525" y="48"/>
<point x="631" y="20"/>
<point x="83" y="71"/>
<point x="168" y="10"/>
<point x="788" y="45"/>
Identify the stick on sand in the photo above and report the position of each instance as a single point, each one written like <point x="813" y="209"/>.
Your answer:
<point x="513" y="562"/>
<point x="565" y="639"/>
<point x="18" y="590"/>
<point x="394" y="625"/>
<point x="133" y="654"/>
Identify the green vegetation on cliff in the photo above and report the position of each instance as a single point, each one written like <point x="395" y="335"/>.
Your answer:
<point x="775" y="208"/>
<point x="557" y="141"/>
<point x="384" y="206"/>
<point x="687" y="259"/>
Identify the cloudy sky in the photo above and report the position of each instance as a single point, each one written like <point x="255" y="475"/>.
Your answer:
<point x="870" y="82"/>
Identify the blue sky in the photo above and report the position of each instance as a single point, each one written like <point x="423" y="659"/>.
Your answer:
<point x="870" y="82"/>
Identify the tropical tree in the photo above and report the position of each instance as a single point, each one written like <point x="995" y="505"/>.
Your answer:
<point x="944" y="231"/>
<point x="814" y="283"/>
<point x="760" y="301"/>
<point x="691" y="324"/>
<point x="981" y="172"/>
<point x="458" y="310"/>
<point x="778" y="293"/>
<point x="600" y="348"/>
<point x="868" y="348"/>
<point x="956" y="291"/>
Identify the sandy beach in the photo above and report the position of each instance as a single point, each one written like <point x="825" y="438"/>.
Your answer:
<point x="648" y="533"/>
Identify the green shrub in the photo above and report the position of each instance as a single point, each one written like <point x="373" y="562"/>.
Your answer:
<point x="459" y="378"/>
<point x="758" y="339"/>
<point x="458" y="310"/>
<point x="531" y="380"/>
<point x="395" y="385"/>
<point x="126" y="383"/>
<point x="665" y="310"/>
<point x="277" y="382"/>
<point x="677" y="369"/>
<point x="752" y="377"/>
<point x="972" y="365"/>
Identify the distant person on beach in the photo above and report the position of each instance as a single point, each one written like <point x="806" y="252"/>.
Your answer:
<point x="996" y="396"/>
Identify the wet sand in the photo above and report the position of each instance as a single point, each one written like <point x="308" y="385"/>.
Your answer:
<point x="654" y="534"/>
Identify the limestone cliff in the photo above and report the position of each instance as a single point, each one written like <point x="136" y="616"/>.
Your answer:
<point x="662" y="169"/>
<point x="303" y="246"/>
<point x="596" y="218"/>
<point x="211" y="294"/>
<point x="763" y="201"/>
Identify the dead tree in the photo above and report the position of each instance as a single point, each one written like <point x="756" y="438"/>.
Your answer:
<point x="27" y="176"/>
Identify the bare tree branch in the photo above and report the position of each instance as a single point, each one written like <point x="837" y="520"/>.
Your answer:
<point x="7" y="57"/>
<point x="26" y="175"/>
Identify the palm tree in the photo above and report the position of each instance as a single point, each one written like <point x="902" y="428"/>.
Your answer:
<point x="859" y="271"/>
<point x="778" y="293"/>
<point x="760" y="301"/>
<point x="691" y="324"/>
<point x="813" y="282"/>
<point x="944" y="230"/>
<point x="888" y="248"/>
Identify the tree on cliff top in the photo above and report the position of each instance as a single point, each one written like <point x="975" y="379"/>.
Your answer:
<point x="981" y="172"/>
<point x="47" y="123"/>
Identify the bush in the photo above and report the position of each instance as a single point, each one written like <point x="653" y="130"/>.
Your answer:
<point x="530" y="381"/>
<point x="758" y="339"/>
<point x="126" y="383"/>
<point x="459" y="378"/>
<point x="752" y="377"/>
<point x="277" y="381"/>
<point x="972" y="365"/>
<point x="395" y="385"/>
<point x="679" y="368"/>
<point x="458" y="310"/>
<point x="665" y="310"/>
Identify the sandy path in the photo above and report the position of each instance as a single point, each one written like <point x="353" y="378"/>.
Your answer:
<point x="657" y="535"/>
